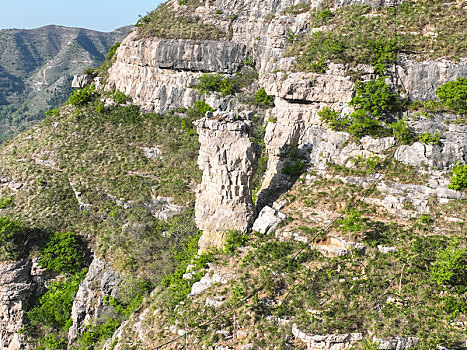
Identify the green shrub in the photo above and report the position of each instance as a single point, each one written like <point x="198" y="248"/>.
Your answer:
<point x="199" y="110"/>
<point x="450" y="266"/>
<point x="92" y="335"/>
<point x="6" y="202"/>
<point x="296" y="9"/>
<point x="293" y="168"/>
<point x="120" y="98"/>
<point x="459" y="177"/>
<point x="82" y="97"/>
<point x="376" y="97"/>
<point x="320" y="17"/>
<point x="334" y="120"/>
<point x="454" y="95"/>
<point x="112" y="50"/>
<point x="179" y="286"/>
<point x="402" y="132"/>
<point x="432" y="139"/>
<point x="362" y="124"/>
<point x="369" y="163"/>
<point x="234" y="239"/>
<point x="213" y="82"/>
<point x="53" y="112"/>
<point x="263" y="99"/>
<point x="352" y="222"/>
<point x="54" y="309"/>
<point x="51" y="342"/>
<point x="64" y="252"/>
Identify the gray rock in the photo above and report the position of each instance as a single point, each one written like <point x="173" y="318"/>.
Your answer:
<point x="397" y="343"/>
<point x="152" y="152"/>
<point x="16" y="287"/>
<point x="89" y="306"/>
<point x="15" y="185"/>
<point x="386" y="250"/>
<point x="328" y="341"/>
<point x="80" y="81"/>
<point x="268" y="220"/>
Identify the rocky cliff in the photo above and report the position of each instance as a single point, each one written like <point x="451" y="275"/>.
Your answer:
<point x="327" y="219"/>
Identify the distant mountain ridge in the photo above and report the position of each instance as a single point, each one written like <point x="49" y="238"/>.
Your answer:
<point x="37" y="65"/>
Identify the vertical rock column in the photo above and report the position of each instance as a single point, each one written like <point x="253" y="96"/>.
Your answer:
<point x="16" y="287"/>
<point x="229" y="160"/>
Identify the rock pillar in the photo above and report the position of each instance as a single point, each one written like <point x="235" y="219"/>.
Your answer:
<point x="229" y="160"/>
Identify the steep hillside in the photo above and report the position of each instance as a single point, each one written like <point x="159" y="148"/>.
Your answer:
<point x="271" y="174"/>
<point x="36" y="68"/>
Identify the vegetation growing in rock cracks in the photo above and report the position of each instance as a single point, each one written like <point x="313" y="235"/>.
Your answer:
<point x="12" y="233"/>
<point x="226" y="85"/>
<point x="376" y="104"/>
<point x="263" y="99"/>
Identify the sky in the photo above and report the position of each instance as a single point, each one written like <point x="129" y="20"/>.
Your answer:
<point x="102" y="15"/>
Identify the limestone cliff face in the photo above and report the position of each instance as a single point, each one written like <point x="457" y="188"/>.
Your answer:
<point x="229" y="160"/>
<point x="19" y="281"/>
<point x="90" y="305"/>
<point x="16" y="287"/>
<point x="159" y="75"/>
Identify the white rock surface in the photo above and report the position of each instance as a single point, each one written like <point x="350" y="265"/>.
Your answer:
<point x="268" y="220"/>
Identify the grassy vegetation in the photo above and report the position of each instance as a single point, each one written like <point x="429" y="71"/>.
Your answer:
<point x="100" y="153"/>
<point x="359" y="34"/>
<point x="165" y="23"/>
<point x="385" y="294"/>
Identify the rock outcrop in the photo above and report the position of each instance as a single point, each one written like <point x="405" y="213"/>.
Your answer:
<point x="229" y="160"/>
<point x="327" y="341"/>
<point x="90" y="304"/>
<point x="16" y="287"/>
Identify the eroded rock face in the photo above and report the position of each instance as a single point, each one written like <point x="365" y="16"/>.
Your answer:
<point x="89" y="305"/>
<point x="228" y="160"/>
<point x="159" y="74"/>
<point x="16" y="287"/>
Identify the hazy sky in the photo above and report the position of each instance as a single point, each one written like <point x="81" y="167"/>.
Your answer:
<point x="103" y="15"/>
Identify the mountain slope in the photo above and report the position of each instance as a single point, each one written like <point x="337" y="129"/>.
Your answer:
<point x="329" y="179"/>
<point x="37" y="65"/>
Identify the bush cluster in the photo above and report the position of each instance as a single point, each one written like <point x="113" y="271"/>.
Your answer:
<point x="263" y="99"/>
<point x="459" y="177"/>
<point x="11" y="234"/>
<point x="54" y="309"/>
<point x="64" y="252"/>
<point x="454" y="95"/>
<point x="82" y="97"/>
